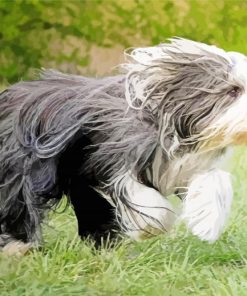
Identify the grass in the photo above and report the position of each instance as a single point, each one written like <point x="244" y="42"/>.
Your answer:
<point x="175" y="264"/>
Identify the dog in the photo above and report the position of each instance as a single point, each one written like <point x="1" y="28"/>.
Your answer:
<point x="118" y="147"/>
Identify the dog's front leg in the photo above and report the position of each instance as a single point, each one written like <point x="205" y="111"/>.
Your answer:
<point x="208" y="204"/>
<point x="144" y="212"/>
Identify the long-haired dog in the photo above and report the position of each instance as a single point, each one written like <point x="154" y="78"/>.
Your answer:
<point x="119" y="146"/>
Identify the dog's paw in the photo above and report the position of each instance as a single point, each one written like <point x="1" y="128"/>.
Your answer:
<point x="207" y="204"/>
<point x="149" y="213"/>
<point x="16" y="248"/>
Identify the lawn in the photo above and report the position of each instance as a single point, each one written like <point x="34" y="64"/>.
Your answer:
<point x="175" y="264"/>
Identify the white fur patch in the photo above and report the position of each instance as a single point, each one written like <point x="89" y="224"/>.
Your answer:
<point x="16" y="248"/>
<point x="207" y="204"/>
<point x="146" y="55"/>
<point x="154" y="214"/>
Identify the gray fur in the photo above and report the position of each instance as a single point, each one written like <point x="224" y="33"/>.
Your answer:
<point x="173" y="98"/>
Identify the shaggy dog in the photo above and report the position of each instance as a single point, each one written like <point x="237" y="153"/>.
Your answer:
<point x="120" y="146"/>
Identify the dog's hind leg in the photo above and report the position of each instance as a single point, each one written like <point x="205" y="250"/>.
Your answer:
<point x="95" y="215"/>
<point x="17" y="233"/>
<point x="22" y="209"/>
<point x="14" y="236"/>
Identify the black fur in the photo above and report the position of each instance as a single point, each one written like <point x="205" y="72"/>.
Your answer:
<point x="58" y="136"/>
<point x="94" y="214"/>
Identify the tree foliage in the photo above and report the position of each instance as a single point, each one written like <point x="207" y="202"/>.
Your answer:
<point x="37" y="34"/>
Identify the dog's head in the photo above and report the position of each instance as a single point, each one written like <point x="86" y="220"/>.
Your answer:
<point x="196" y="92"/>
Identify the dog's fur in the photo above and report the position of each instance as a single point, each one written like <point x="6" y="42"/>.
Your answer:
<point x="119" y="146"/>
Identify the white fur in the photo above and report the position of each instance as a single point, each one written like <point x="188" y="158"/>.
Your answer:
<point x="207" y="204"/>
<point x="146" y="55"/>
<point x="16" y="248"/>
<point x="154" y="214"/>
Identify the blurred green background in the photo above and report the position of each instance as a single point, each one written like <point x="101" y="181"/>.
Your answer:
<point x="89" y="36"/>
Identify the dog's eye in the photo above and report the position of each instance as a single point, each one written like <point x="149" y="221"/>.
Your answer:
<point x="234" y="92"/>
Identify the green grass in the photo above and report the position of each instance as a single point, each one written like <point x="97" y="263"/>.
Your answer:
<point x="175" y="264"/>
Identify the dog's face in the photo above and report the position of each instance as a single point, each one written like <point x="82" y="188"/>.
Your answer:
<point x="230" y="126"/>
<point x="197" y="92"/>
